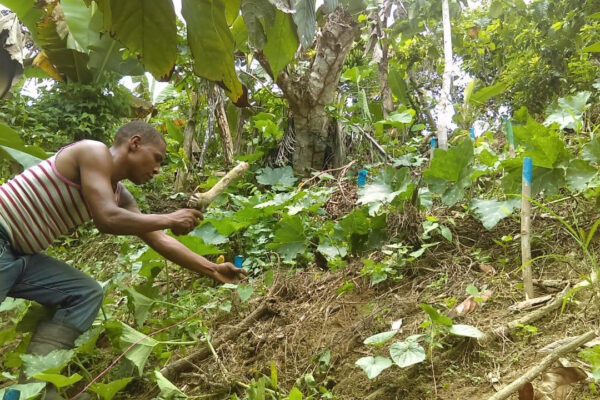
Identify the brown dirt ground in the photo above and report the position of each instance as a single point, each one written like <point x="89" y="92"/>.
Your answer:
<point x="309" y="316"/>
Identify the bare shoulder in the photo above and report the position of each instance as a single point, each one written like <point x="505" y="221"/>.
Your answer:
<point x="85" y="154"/>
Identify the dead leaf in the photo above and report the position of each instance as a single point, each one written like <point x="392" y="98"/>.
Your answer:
<point x="473" y="31"/>
<point x="470" y="304"/>
<point x="487" y="268"/>
<point x="526" y="392"/>
<point x="536" y="301"/>
<point x="592" y="342"/>
<point x="556" y="381"/>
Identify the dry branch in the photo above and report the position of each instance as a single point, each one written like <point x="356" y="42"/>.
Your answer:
<point x="201" y="200"/>
<point x="184" y="364"/>
<point x="542" y="366"/>
<point x="526" y="319"/>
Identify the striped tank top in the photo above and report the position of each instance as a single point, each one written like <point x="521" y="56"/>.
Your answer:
<point x="39" y="205"/>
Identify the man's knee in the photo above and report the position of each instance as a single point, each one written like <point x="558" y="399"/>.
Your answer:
<point x="95" y="293"/>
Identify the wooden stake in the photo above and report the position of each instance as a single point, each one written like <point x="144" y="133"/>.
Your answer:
<point x="526" y="228"/>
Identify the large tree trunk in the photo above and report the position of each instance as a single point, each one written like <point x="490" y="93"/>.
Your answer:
<point x="445" y="104"/>
<point x="188" y="140"/>
<point x="307" y="94"/>
<point x="224" y="131"/>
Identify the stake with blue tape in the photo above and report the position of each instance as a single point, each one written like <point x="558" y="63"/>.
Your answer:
<point x="526" y="227"/>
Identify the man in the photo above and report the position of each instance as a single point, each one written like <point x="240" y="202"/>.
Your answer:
<point x="79" y="183"/>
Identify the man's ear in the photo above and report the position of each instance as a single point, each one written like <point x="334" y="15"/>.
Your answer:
<point x="135" y="142"/>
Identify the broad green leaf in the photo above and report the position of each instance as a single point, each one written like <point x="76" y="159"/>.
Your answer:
<point x="10" y="138"/>
<point x="239" y="31"/>
<point x="446" y="233"/>
<point x="380" y="338"/>
<point x="289" y="238"/>
<point x="435" y="315"/>
<point x="568" y="111"/>
<point x="197" y="245"/>
<point x="209" y="234"/>
<point x="78" y="17"/>
<point x="397" y="84"/>
<point x="282" y="43"/>
<point x="26" y="160"/>
<point x="108" y="390"/>
<point x="450" y="172"/>
<point x="386" y="186"/>
<point x="174" y="131"/>
<point x="373" y="366"/>
<point x="59" y="380"/>
<point x="408" y="353"/>
<point x="232" y="10"/>
<point x="277" y="177"/>
<point x="126" y="336"/>
<point x="52" y="362"/>
<point x="168" y="391"/>
<point x="245" y="291"/>
<point x="295" y="394"/>
<point x="139" y="305"/>
<point x="591" y="150"/>
<point x="593" y="48"/>
<point x="466" y="330"/>
<point x="490" y="212"/>
<point x="306" y="21"/>
<point x="86" y="342"/>
<point x="331" y="251"/>
<point x="397" y="120"/>
<point x="28" y="390"/>
<point x="579" y="174"/>
<point x="481" y="96"/>
<point x="257" y="15"/>
<point x="212" y="46"/>
<point x="147" y="27"/>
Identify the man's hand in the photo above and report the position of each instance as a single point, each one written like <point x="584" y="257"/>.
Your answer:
<point x="184" y="221"/>
<point x="227" y="273"/>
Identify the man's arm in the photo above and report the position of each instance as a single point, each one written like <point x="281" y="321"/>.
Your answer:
<point x="95" y="168"/>
<point x="177" y="253"/>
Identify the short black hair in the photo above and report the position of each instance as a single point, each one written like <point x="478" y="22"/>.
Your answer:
<point x="146" y="131"/>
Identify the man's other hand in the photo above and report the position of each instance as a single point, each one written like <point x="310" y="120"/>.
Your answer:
<point x="184" y="221"/>
<point x="227" y="273"/>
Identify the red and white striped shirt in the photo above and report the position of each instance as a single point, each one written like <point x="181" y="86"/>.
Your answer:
<point x="39" y="205"/>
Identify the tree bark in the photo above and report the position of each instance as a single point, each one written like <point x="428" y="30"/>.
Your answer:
<point x="188" y="140"/>
<point x="381" y="55"/>
<point x="308" y="93"/>
<point x="224" y="131"/>
<point x="445" y="104"/>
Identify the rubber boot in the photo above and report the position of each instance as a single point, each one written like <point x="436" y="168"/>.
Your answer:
<point x="50" y="336"/>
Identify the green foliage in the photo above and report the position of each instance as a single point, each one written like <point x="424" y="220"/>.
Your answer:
<point x="450" y="172"/>
<point x="211" y="43"/>
<point x="68" y="112"/>
<point x="281" y="44"/>
<point x="108" y="390"/>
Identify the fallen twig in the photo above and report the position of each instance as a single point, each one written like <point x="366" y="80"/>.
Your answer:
<point x="542" y="366"/>
<point x="183" y="364"/>
<point x="526" y="319"/>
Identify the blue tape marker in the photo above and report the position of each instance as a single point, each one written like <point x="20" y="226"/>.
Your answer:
<point x="472" y="133"/>
<point x="238" y="261"/>
<point x="433" y="143"/>
<point x="527" y="170"/>
<point x="11" y="394"/>
<point x="361" y="179"/>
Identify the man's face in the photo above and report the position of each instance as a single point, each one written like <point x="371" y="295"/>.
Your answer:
<point x="146" y="159"/>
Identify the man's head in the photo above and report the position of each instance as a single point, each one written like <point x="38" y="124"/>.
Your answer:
<point x="145" y="148"/>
